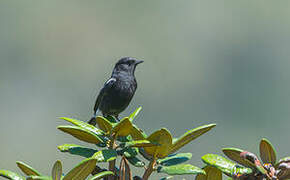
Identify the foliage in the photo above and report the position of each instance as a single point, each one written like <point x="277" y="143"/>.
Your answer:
<point x="81" y="171"/>
<point x="156" y="152"/>
<point x="114" y="139"/>
<point x="247" y="165"/>
<point x="125" y="140"/>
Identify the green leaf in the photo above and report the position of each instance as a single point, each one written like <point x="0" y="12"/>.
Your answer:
<point x="11" y="175"/>
<point x="88" y="127"/>
<point x="124" y="139"/>
<point x="234" y="154"/>
<point x="103" y="144"/>
<point x="105" y="155"/>
<point x="180" y="169"/>
<point x="174" y="159"/>
<point x="164" y="139"/>
<point x="56" y="171"/>
<point x="82" y="170"/>
<point x="240" y="171"/>
<point x="39" y="178"/>
<point x="84" y="125"/>
<point x="77" y="150"/>
<point x="26" y="169"/>
<point x="136" y="162"/>
<point x="81" y="134"/>
<point x="145" y="155"/>
<point x="212" y="173"/>
<point x="219" y="162"/>
<point x="67" y="147"/>
<point x="190" y="136"/>
<point x="104" y="124"/>
<point x="123" y="128"/>
<point x="137" y="133"/>
<point x="130" y="152"/>
<point x="101" y="175"/>
<point x="225" y="165"/>
<point x="134" y="114"/>
<point x="267" y="152"/>
<point x="140" y="143"/>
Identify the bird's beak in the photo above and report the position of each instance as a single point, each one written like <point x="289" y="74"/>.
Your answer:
<point x="138" y="62"/>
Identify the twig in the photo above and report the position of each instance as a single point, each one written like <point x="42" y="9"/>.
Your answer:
<point x="122" y="170"/>
<point x="149" y="170"/>
<point x="128" y="168"/>
<point x="113" y="162"/>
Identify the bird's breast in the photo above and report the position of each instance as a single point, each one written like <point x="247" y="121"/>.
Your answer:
<point x="125" y="89"/>
<point x="118" y="98"/>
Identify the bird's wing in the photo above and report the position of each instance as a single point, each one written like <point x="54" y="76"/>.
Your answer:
<point x="108" y="85"/>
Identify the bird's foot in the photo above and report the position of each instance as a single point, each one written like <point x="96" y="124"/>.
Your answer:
<point x="92" y="121"/>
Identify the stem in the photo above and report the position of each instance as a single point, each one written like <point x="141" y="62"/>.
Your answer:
<point x="128" y="168"/>
<point x="149" y="170"/>
<point x="112" y="168"/>
<point x="113" y="162"/>
<point x="122" y="170"/>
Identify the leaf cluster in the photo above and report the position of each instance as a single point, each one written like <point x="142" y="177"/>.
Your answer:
<point x="155" y="152"/>
<point x="81" y="171"/>
<point x="247" y="165"/>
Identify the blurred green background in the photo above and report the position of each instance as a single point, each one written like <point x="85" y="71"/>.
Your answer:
<point x="224" y="62"/>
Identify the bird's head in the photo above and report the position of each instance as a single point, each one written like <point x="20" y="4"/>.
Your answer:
<point x="127" y="64"/>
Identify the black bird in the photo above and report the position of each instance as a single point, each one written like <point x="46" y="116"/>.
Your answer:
<point x="118" y="91"/>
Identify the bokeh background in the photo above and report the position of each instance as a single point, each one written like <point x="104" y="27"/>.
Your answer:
<point x="224" y="62"/>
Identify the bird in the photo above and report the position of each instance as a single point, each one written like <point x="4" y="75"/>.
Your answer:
<point x="118" y="91"/>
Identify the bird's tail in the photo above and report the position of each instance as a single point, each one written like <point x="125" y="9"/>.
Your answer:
<point x="93" y="120"/>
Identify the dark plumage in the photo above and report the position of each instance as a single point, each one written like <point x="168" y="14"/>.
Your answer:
<point x="119" y="90"/>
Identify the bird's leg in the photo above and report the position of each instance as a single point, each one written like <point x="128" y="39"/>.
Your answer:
<point x="92" y="121"/>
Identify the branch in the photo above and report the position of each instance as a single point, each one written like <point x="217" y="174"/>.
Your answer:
<point x="113" y="162"/>
<point x="149" y="170"/>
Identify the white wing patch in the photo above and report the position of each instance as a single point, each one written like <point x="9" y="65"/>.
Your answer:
<point x="111" y="80"/>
